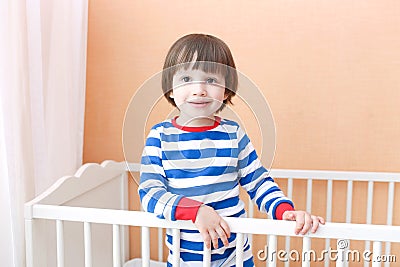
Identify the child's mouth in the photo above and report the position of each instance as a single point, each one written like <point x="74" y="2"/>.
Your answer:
<point x="199" y="104"/>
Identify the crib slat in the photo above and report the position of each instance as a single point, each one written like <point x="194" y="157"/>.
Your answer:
<point x="349" y="208"/>
<point x="29" y="242"/>
<point x="367" y="245"/>
<point x="116" y="246"/>
<point x="251" y="215"/>
<point x="239" y="249"/>
<point x="369" y="213"/>
<point x="369" y="201"/>
<point x="329" y="189"/>
<point x="309" y="195"/>
<point x="349" y="200"/>
<point x="250" y="207"/>
<point x="306" y="251"/>
<point x="341" y="247"/>
<point x="376" y="252"/>
<point x="145" y="246"/>
<point x="327" y="248"/>
<point x="60" y="243"/>
<point x="389" y="218"/>
<point x="206" y="257"/>
<point x="290" y="188"/>
<point x="387" y="252"/>
<point x="289" y="195"/>
<point x="160" y="244"/>
<point x="287" y="248"/>
<point x="272" y="248"/>
<point x="307" y="240"/>
<point x="390" y="203"/>
<point x="329" y="201"/>
<point x="87" y="233"/>
<point x="176" y="247"/>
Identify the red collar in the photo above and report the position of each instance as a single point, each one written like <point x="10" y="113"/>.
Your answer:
<point x="196" y="128"/>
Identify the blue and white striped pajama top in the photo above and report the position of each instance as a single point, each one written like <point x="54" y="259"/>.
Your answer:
<point x="208" y="165"/>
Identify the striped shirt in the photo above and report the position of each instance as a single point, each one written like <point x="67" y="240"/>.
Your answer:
<point x="206" y="164"/>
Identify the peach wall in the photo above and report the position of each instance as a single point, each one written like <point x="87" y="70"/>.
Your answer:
<point x="329" y="69"/>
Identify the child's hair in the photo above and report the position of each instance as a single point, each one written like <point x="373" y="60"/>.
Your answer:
<point x="212" y="55"/>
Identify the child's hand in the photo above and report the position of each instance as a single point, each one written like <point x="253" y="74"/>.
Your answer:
<point x="212" y="227"/>
<point x="304" y="221"/>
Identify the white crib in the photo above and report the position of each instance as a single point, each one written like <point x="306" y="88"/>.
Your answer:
<point x="82" y="220"/>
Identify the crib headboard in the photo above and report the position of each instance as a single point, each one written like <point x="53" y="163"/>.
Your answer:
<point x="93" y="186"/>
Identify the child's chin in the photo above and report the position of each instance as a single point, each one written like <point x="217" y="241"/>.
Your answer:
<point x="194" y="111"/>
<point x="200" y="113"/>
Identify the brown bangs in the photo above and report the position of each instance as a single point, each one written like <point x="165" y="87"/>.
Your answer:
<point x="204" y="51"/>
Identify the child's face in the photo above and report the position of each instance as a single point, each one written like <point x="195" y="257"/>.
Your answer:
<point x="198" y="93"/>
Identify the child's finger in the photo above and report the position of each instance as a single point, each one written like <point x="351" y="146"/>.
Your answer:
<point x="321" y="220"/>
<point x="221" y="233"/>
<point x="315" y="223"/>
<point x="206" y="238"/>
<point x="299" y="224"/>
<point x="226" y="228"/>
<point x="307" y="224"/>
<point x="214" y="238"/>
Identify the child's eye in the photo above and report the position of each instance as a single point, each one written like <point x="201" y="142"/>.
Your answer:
<point x="186" y="79"/>
<point x="211" y="80"/>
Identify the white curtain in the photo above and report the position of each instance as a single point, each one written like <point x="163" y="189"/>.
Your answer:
<point x="42" y="97"/>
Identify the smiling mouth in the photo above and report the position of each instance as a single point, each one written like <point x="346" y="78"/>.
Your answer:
<point x="199" y="104"/>
<point x="195" y="102"/>
<point x="199" y="101"/>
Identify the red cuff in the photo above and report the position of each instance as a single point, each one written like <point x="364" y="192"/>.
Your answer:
<point x="187" y="209"/>
<point x="281" y="209"/>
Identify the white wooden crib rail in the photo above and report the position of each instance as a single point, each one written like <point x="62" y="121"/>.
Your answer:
<point x="272" y="228"/>
<point x="53" y="205"/>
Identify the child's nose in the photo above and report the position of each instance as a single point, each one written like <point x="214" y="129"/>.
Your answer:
<point x="199" y="88"/>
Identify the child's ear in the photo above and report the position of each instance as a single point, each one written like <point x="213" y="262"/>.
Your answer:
<point x="226" y="95"/>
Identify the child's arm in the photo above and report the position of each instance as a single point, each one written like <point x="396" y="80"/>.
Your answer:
<point x="254" y="178"/>
<point x="266" y="193"/>
<point x="154" y="196"/>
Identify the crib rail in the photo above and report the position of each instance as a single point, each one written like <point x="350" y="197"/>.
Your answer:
<point x="48" y="206"/>
<point x="272" y="228"/>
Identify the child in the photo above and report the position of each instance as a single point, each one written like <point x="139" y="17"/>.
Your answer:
<point x="192" y="165"/>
